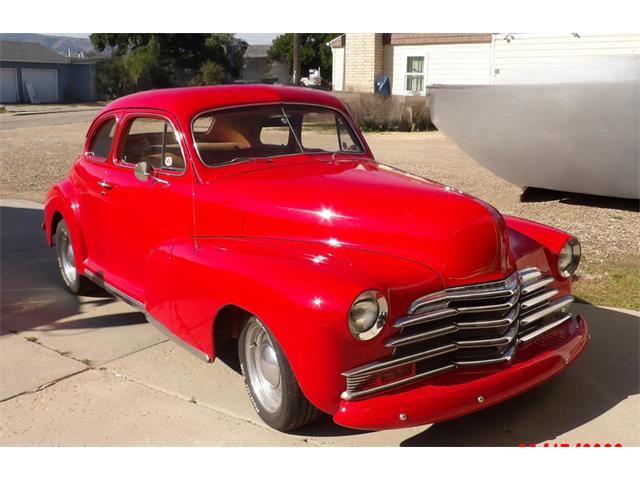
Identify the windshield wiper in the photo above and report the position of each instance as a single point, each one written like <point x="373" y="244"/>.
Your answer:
<point x="251" y="159"/>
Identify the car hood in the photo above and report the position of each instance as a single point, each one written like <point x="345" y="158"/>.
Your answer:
<point x="366" y="205"/>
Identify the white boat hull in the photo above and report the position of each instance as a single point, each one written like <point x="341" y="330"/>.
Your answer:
<point x="574" y="137"/>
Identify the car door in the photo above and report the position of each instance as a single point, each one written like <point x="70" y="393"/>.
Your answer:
<point x="89" y="176"/>
<point x="146" y="216"/>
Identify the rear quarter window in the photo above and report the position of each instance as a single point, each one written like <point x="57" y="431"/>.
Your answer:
<point x="102" y="140"/>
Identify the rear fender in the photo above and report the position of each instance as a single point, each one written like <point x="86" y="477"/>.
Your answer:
<point x="61" y="199"/>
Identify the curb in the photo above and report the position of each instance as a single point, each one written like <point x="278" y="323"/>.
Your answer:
<point x="17" y="114"/>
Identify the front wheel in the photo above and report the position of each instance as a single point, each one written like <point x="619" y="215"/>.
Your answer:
<point x="270" y="382"/>
<point x="75" y="282"/>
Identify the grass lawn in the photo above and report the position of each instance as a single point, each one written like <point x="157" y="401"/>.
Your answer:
<point x="609" y="283"/>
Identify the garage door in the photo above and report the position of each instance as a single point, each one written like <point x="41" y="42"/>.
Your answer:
<point x="8" y="85"/>
<point x="40" y="85"/>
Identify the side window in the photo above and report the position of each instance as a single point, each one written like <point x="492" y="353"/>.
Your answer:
<point x="346" y="138"/>
<point x="153" y="140"/>
<point x="102" y="140"/>
<point x="327" y="131"/>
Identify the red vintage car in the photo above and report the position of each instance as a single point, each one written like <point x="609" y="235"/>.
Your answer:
<point x="257" y="214"/>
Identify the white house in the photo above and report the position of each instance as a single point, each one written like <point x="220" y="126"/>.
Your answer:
<point x="412" y="61"/>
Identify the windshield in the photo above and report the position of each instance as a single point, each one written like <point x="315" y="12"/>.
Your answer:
<point x="246" y="133"/>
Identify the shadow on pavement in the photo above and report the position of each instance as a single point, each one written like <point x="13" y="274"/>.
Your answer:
<point x="32" y="292"/>
<point x="606" y="373"/>
<point x="534" y="194"/>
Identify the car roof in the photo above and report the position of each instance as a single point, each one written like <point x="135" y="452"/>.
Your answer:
<point x="189" y="101"/>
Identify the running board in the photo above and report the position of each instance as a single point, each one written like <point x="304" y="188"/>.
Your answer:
<point x="140" y="307"/>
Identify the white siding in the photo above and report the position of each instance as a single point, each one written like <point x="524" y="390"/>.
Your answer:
<point x="467" y="63"/>
<point x="529" y="58"/>
<point x="337" y="77"/>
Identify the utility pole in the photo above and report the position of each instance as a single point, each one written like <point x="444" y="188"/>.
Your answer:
<point x="296" y="58"/>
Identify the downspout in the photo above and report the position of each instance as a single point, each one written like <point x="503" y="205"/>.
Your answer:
<point x="492" y="54"/>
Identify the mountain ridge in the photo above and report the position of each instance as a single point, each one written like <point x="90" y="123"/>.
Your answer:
<point x="59" y="44"/>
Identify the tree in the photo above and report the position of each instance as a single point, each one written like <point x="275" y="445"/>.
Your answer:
<point x="113" y="78"/>
<point x="152" y="60"/>
<point x="314" y="52"/>
<point x="211" y="73"/>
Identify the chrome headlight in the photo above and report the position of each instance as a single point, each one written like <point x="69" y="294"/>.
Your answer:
<point x="569" y="258"/>
<point x="367" y="314"/>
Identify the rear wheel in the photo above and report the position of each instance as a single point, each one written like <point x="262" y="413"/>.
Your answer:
<point x="75" y="282"/>
<point x="270" y="382"/>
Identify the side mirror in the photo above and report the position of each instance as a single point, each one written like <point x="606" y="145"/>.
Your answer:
<point x="143" y="171"/>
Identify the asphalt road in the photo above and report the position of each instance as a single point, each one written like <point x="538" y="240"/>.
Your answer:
<point x="11" y="121"/>
<point x="92" y="371"/>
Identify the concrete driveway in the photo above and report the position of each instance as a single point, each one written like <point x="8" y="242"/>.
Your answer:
<point x="92" y="371"/>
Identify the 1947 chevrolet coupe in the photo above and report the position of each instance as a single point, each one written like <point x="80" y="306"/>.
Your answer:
<point x="258" y="214"/>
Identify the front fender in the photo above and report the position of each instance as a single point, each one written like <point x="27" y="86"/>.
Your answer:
<point x="534" y="244"/>
<point x="302" y="292"/>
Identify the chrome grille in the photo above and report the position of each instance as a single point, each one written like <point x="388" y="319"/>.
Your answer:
<point x="463" y="327"/>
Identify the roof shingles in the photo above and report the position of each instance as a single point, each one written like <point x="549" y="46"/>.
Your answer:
<point x="29" y="52"/>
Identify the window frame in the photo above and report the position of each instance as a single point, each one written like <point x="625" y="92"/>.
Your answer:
<point x="128" y="119"/>
<point x="422" y="74"/>
<point x="346" y="117"/>
<point x="92" y="135"/>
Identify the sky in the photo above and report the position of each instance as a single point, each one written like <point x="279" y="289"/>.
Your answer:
<point x="250" y="38"/>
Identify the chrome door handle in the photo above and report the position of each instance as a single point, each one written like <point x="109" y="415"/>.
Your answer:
<point x="105" y="185"/>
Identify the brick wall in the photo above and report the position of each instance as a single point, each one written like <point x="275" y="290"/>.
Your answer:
<point x="364" y="58"/>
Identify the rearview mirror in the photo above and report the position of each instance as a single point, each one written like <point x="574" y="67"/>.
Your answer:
<point x="143" y="171"/>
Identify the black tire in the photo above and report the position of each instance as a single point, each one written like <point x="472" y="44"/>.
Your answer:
<point x="78" y="284"/>
<point x="294" y="411"/>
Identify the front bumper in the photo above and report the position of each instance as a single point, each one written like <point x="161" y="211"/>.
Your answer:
<point x="460" y="393"/>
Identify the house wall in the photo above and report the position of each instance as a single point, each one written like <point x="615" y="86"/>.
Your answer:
<point x="363" y="60"/>
<point x="444" y="63"/>
<point x="337" y="75"/>
<point x="516" y="60"/>
<point x="529" y="58"/>
<point x="76" y="82"/>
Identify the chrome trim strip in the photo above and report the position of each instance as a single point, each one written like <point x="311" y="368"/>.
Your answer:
<point x="529" y="274"/>
<point x="552" y="307"/>
<point x="399" y="341"/>
<point x="346" y="395"/>
<point x="487" y="342"/>
<point x="542" y="330"/>
<point x="383" y="365"/>
<point x="502" y="288"/>
<point x="536" y="285"/>
<point x="501" y="322"/>
<point x="140" y="306"/>
<point x="504" y="358"/>
<point x="190" y="348"/>
<point x="538" y="299"/>
<point x="114" y="291"/>
<point x="492" y="308"/>
<point x="425" y="317"/>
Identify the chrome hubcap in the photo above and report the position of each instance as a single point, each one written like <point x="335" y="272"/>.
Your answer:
<point x="263" y="369"/>
<point x="67" y="259"/>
